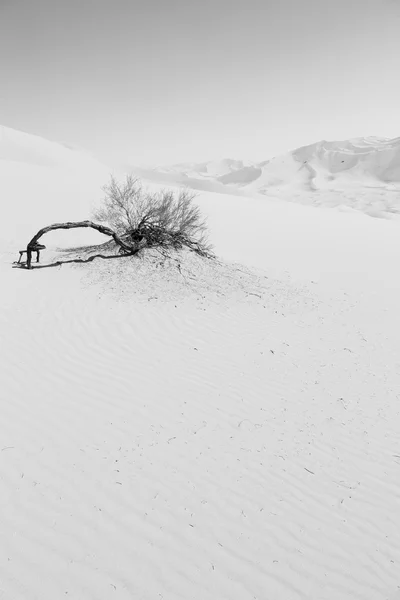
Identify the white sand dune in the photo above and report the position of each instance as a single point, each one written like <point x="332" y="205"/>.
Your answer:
<point x="42" y="182"/>
<point x="21" y="147"/>
<point x="362" y="174"/>
<point x="189" y="429"/>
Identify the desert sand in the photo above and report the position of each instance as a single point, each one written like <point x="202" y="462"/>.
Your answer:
<point x="192" y="429"/>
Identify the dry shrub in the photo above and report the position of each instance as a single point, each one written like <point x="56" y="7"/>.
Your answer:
<point x="167" y="219"/>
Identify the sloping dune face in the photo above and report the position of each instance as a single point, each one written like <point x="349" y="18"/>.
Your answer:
<point x="30" y="149"/>
<point x="42" y="182"/>
<point x="178" y="428"/>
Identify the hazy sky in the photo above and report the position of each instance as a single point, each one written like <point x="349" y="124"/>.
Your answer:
<point x="162" y="81"/>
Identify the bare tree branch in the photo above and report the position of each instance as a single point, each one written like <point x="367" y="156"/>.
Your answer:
<point x="128" y="249"/>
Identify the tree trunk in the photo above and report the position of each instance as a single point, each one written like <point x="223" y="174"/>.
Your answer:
<point x="74" y="225"/>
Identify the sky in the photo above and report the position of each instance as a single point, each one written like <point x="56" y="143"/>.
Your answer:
<point x="156" y="82"/>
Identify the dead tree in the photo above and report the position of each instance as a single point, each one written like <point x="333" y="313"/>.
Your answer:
<point x="33" y="244"/>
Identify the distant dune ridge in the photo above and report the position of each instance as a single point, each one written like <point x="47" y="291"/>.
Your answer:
<point x="370" y="157"/>
<point x="361" y="174"/>
<point x="358" y="174"/>
<point x="360" y="160"/>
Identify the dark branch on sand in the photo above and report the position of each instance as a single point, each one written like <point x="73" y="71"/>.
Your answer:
<point x="33" y="244"/>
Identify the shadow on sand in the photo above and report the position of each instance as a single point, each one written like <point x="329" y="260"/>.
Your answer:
<point x="58" y="263"/>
